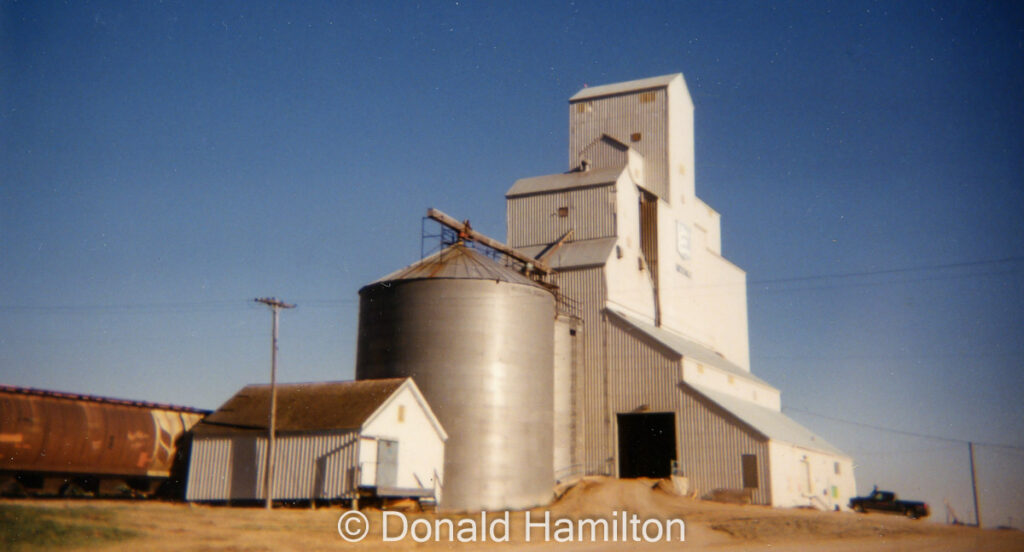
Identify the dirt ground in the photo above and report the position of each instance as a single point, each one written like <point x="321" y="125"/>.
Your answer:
<point x="632" y="505"/>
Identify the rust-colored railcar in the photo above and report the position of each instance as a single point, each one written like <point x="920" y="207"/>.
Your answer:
<point x="52" y="442"/>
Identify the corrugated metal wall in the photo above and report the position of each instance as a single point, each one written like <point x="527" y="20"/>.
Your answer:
<point x="310" y="465"/>
<point x="567" y="362"/>
<point x="643" y="113"/>
<point x="535" y="219"/>
<point x="710" y="443"/>
<point x="587" y="287"/>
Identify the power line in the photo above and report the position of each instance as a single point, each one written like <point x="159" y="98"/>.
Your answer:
<point x="129" y="307"/>
<point x="177" y="307"/>
<point x="888" y="271"/>
<point x="903" y="432"/>
<point x="227" y="305"/>
<point x="836" y="285"/>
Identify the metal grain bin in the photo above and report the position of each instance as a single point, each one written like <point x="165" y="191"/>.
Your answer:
<point x="477" y="337"/>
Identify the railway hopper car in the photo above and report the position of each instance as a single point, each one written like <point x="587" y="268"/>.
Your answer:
<point x="63" y="443"/>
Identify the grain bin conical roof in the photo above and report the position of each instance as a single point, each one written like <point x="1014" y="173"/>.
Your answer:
<point x="458" y="262"/>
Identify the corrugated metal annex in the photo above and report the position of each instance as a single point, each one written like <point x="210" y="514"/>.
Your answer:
<point x="647" y="378"/>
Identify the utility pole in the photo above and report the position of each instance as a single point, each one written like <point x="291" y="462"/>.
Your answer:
<point x="974" y="486"/>
<point x="268" y="471"/>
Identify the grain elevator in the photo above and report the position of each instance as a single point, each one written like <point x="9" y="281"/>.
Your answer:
<point x="629" y="358"/>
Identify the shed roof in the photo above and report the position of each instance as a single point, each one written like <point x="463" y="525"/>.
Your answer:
<point x="770" y="423"/>
<point x="576" y="254"/>
<point x="564" y="181"/>
<point x="687" y="348"/>
<point x="458" y="261"/>
<point x="316" y="406"/>
<point x="624" y="87"/>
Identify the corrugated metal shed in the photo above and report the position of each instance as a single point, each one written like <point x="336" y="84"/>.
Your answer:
<point x="231" y="467"/>
<point x="457" y="262"/>
<point x="624" y="87"/>
<point x="301" y="406"/>
<point x="773" y="425"/>
<point x="327" y="442"/>
<point x="645" y="376"/>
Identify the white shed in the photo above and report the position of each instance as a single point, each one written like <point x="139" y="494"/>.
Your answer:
<point x="335" y="441"/>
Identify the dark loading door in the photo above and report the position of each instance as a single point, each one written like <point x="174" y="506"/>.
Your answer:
<point x="387" y="463"/>
<point x="647" y="444"/>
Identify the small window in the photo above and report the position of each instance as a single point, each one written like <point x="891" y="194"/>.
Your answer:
<point x="836" y="465"/>
<point x="635" y="137"/>
<point x="647" y="97"/>
<point x="749" y="471"/>
<point x="584" y="107"/>
<point x="563" y="212"/>
<point x="401" y="413"/>
<point x="731" y="380"/>
<point x="700" y="368"/>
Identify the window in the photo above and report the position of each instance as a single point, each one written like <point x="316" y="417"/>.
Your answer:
<point x="836" y="465"/>
<point x="635" y="137"/>
<point x="647" y="97"/>
<point x="563" y="212"/>
<point x="401" y="413"/>
<point x="749" y="471"/>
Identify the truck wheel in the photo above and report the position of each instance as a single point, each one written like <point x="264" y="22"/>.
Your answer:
<point x="859" y="508"/>
<point x="911" y="513"/>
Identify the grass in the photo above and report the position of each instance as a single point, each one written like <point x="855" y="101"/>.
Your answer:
<point x="31" y="528"/>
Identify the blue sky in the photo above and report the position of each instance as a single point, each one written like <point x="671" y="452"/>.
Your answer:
<point x="162" y="164"/>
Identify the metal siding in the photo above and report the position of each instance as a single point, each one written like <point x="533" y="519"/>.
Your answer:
<point x="321" y="465"/>
<point x="209" y="470"/>
<point x="621" y="116"/>
<point x="712" y="445"/>
<point x="534" y="219"/>
<point x="709" y="443"/>
<point x="566" y="364"/>
<point x="587" y="287"/>
<point x="482" y="354"/>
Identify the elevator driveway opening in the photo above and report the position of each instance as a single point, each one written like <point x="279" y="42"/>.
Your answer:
<point x="647" y="444"/>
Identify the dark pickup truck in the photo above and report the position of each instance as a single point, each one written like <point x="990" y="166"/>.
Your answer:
<point x="886" y="501"/>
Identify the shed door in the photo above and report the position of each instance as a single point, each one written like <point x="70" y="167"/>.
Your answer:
<point x="647" y="444"/>
<point x="387" y="463"/>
